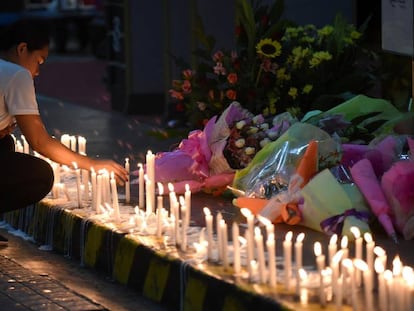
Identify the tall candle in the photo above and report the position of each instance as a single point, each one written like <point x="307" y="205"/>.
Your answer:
<point x="358" y="251"/>
<point x="398" y="288"/>
<point x="271" y="253"/>
<point x="236" y="248"/>
<point x="320" y="263"/>
<point x="224" y="244"/>
<point x="176" y="213"/>
<point x="187" y="196"/>
<point x="389" y="283"/>
<point x="370" y="244"/>
<point x="260" y="254"/>
<point x="270" y="228"/>
<point x="298" y="258"/>
<point x="98" y="193"/>
<point x="141" y="185"/>
<point x="336" y="259"/>
<point x="350" y="271"/>
<point x="344" y="246"/>
<point x="362" y="265"/>
<point x="127" y="183"/>
<point x="184" y="224"/>
<point x="148" y="202"/>
<point x="332" y="247"/>
<point x="382" y="290"/>
<point x="249" y="235"/>
<point x="93" y="183"/>
<point x="160" y="207"/>
<point x="219" y="217"/>
<point x="115" y="203"/>
<point x="78" y="183"/>
<point x="287" y="253"/>
<point x="150" y="165"/>
<point x="172" y="195"/>
<point x="82" y="144"/>
<point x="209" y="227"/>
<point x="381" y="254"/>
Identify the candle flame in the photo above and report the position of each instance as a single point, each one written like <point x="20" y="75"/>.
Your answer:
<point x="379" y="266"/>
<point x="344" y="242"/>
<point x="182" y="200"/>
<point x="271" y="237"/>
<point x="379" y="251"/>
<point x="170" y="187"/>
<point x="140" y="166"/>
<point x="300" y="237"/>
<point x="408" y="274"/>
<point x="206" y="211"/>
<point x="303" y="274"/>
<point x="360" y="264"/>
<point x="368" y="237"/>
<point x="334" y="239"/>
<point x="388" y="275"/>
<point x="242" y="241"/>
<point x="257" y="231"/>
<point x="317" y="248"/>
<point x="187" y="187"/>
<point x="75" y="165"/>
<point x="126" y="160"/>
<point x="160" y="188"/>
<point x="112" y="175"/>
<point x="347" y="263"/>
<point x="337" y="257"/>
<point x="396" y="266"/>
<point x="288" y="236"/>
<point x="355" y="231"/>
<point x="246" y="212"/>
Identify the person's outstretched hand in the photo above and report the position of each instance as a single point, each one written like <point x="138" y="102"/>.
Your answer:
<point x="121" y="174"/>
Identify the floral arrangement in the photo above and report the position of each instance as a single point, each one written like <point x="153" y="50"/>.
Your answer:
<point x="275" y="67"/>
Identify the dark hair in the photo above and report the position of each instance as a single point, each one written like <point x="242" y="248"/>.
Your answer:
<point x="34" y="33"/>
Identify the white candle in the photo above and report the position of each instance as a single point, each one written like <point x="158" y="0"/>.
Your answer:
<point x="160" y="207"/>
<point x="150" y="165"/>
<point x="85" y="182"/>
<point x="172" y="195"/>
<point x="176" y="213"/>
<point x="370" y="244"/>
<point x="209" y="227"/>
<point x="336" y="259"/>
<point x="398" y="288"/>
<point x="224" y="244"/>
<point x="127" y="183"/>
<point x="260" y="254"/>
<point x="236" y="248"/>
<point x="344" y="246"/>
<point x="271" y="253"/>
<point x="389" y="282"/>
<point x="348" y="266"/>
<point x="82" y="145"/>
<point x="98" y="193"/>
<point x="270" y="228"/>
<point x="358" y="251"/>
<point x="287" y="253"/>
<point x="72" y="143"/>
<point x="382" y="290"/>
<point x="187" y="196"/>
<point x="320" y="263"/>
<point x="148" y="202"/>
<point x="408" y="276"/>
<point x="249" y="235"/>
<point x="339" y="293"/>
<point x="184" y="224"/>
<point x="332" y="247"/>
<point x="141" y="186"/>
<point x="219" y="217"/>
<point x="115" y="203"/>
<point x="298" y="258"/>
<point x="381" y="254"/>
<point x="78" y="183"/>
<point x="362" y="266"/>
<point x="93" y="182"/>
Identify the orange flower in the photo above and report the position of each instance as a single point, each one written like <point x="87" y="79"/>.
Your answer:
<point x="232" y="78"/>
<point x="231" y="94"/>
<point x="176" y="95"/>
<point x="186" y="87"/>
<point x="187" y="74"/>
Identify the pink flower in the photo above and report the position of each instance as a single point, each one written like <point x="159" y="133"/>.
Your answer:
<point x="231" y="94"/>
<point x="218" y="56"/>
<point x="187" y="74"/>
<point x="232" y="78"/>
<point x="219" y="69"/>
<point x="176" y="95"/>
<point x="186" y="87"/>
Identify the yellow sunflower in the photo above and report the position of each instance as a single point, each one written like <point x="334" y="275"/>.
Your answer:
<point x="269" y="48"/>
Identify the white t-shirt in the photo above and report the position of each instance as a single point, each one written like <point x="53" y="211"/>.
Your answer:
<point x="17" y="93"/>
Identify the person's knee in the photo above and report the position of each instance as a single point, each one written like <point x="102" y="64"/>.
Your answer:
<point x="45" y="175"/>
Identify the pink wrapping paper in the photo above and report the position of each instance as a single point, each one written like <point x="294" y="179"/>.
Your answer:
<point x="368" y="183"/>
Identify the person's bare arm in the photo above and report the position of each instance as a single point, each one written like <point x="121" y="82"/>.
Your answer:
<point x="39" y="140"/>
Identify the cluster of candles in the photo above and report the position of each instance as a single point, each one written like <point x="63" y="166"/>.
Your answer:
<point x="340" y="278"/>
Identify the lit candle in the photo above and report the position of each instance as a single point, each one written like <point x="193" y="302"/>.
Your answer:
<point x="382" y="290"/>
<point x="271" y="253"/>
<point x="98" y="193"/>
<point x="358" y="251"/>
<point x="270" y="228"/>
<point x="344" y="247"/>
<point x="141" y="185"/>
<point x="260" y="254"/>
<point x="350" y="271"/>
<point x="115" y="203"/>
<point x="389" y="282"/>
<point x="160" y="208"/>
<point x="72" y="143"/>
<point x="127" y="183"/>
<point x="184" y="224"/>
<point x="148" y="202"/>
<point x="336" y="259"/>
<point x="249" y="235"/>
<point x="78" y="183"/>
<point x="398" y="288"/>
<point x="408" y="276"/>
<point x="150" y="165"/>
<point x="224" y="242"/>
<point x="93" y="182"/>
<point x="298" y="258"/>
<point x="332" y="247"/>
<point x="82" y="145"/>
<point x="172" y="195"/>
<point x="236" y="248"/>
<point x="303" y="279"/>
<point x="219" y="217"/>
<point x="339" y="293"/>
<point x="176" y="213"/>
<point x="209" y="227"/>
<point x="362" y="265"/>
<point x="370" y="244"/>
<point x="187" y="196"/>
<point x="381" y="254"/>
<point x="287" y="253"/>
<point x="320" y="263"/>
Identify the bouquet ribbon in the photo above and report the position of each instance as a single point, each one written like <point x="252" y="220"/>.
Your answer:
<point x="335" y="224"/>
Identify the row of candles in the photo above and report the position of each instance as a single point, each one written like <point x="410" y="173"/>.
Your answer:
<point x="339" y="281"/>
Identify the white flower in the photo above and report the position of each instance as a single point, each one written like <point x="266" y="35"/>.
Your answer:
<point x="240" y="124"/>
<point x="264" y="142"/>
<point x="240" y="142"/>
<point x="249" y="150"/>
<point x="252" y="130"/>
<point x="264" y="126"/>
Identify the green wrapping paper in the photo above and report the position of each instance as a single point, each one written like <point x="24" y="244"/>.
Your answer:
<point x="325" y="197"/>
